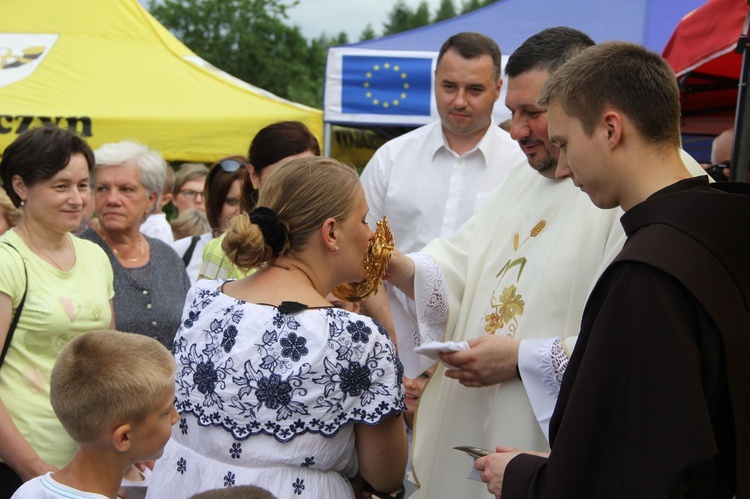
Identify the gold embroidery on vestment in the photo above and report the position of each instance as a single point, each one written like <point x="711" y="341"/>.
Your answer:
<point x="509" y="305"/>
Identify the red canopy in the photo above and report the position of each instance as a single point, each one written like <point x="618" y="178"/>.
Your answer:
<point x="701" y="52"/>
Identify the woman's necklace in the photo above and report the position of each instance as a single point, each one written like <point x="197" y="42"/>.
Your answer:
<point x="46" y="255"/>
<point x="290" y="268"/>
<point x="117" y="253"/>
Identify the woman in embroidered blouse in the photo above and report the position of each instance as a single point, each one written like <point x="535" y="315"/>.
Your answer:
<point x="150" y="279"/>
<point x="275" y="387"/>
<point x="67" y="284"/>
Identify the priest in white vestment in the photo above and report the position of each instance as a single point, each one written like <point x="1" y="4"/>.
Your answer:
<point x="521" y="268"/>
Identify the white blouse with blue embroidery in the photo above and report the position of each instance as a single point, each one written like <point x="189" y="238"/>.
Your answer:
<point x="267" y="395"/>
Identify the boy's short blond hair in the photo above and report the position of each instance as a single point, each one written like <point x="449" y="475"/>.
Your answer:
<point x="103" y="379"/>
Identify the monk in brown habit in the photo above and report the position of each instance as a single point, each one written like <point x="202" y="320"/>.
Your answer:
<point x="655" y="401"/>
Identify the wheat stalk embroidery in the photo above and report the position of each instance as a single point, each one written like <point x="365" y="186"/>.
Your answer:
<point x="538" y="228"/>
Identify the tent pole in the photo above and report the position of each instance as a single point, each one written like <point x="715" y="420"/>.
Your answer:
<point x="327" y="139"/>
<point x="741" y="148"/>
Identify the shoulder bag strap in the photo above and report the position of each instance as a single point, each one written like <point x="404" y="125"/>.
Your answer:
<point x="17" y="315"/>
<point x="189" y="253"/>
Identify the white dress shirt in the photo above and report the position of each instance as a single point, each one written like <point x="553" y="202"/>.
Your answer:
<point x="156" y="226"/>
<point x="427" y="190"/>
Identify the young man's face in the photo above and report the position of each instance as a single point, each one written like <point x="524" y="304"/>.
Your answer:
<point x="529" y="122"/>
<point x="465" y="93"/>
<point x="583" y="158"/>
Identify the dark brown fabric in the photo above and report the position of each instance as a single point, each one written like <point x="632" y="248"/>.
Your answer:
<point x="657" y="382"/>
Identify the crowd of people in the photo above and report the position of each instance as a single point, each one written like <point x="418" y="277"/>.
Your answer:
<point x="562" y="293"/>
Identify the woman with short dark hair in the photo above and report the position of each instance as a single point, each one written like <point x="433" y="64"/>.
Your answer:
<point x="61" y="285"/>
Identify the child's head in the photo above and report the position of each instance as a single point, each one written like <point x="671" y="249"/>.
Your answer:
<point x="414" y="388"/>
<point x="345" y="305"/>
<point x="110" y="385"/>
<point x="240" y="492"/>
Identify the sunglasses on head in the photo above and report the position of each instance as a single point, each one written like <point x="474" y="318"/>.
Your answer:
<point x="231" y="165"/>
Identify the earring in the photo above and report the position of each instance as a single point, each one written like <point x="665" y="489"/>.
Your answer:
<point x="334" y="251"/>
<point x="23" y="202"/>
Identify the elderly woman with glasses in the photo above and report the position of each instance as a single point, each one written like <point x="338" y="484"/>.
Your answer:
<point x="224" y="199"/>
<point x="150" y="279"/>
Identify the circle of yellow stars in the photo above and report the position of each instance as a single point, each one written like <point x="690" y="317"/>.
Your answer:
<point x="386" y="66"/>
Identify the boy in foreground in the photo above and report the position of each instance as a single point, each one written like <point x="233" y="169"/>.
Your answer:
<point x="652" y="403"/>
<point x="114" y="394"/>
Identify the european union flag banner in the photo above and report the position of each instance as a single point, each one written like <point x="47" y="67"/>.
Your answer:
<point x="386" y="85"/>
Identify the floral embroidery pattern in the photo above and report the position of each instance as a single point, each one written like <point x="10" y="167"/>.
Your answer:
<point x="275" y="390"/>
<point x="229" y="479"/>
<point x="205" y="377"/>
<point x="191" y="318"/>
<point x="229" y="338"/>
<point x="294" y="347"/>
<point x="353" y="381"/>
<point x="309" y="461"/>
<point x="181" y="466"/>
<point x="299" y="486"/>
<point x="359" y="331"/>
<point x="183" y="426"/>
<point x="507" y="308"/>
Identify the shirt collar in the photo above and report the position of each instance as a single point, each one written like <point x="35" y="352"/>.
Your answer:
<point x="438" y="142"/>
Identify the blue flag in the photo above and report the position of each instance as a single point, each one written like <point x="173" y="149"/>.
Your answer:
<point x="386" y="85"/>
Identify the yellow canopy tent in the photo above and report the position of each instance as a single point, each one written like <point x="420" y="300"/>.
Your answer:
<point x="108" y="69"/>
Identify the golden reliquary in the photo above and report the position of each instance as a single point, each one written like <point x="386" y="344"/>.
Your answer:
<point x="376" y="263"/>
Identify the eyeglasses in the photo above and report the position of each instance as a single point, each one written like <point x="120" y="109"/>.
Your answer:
<point x="231" y="165"/>
<point x="191" y="194"/>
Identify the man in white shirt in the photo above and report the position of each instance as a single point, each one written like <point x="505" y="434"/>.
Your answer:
<point x="432" y="180"/>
